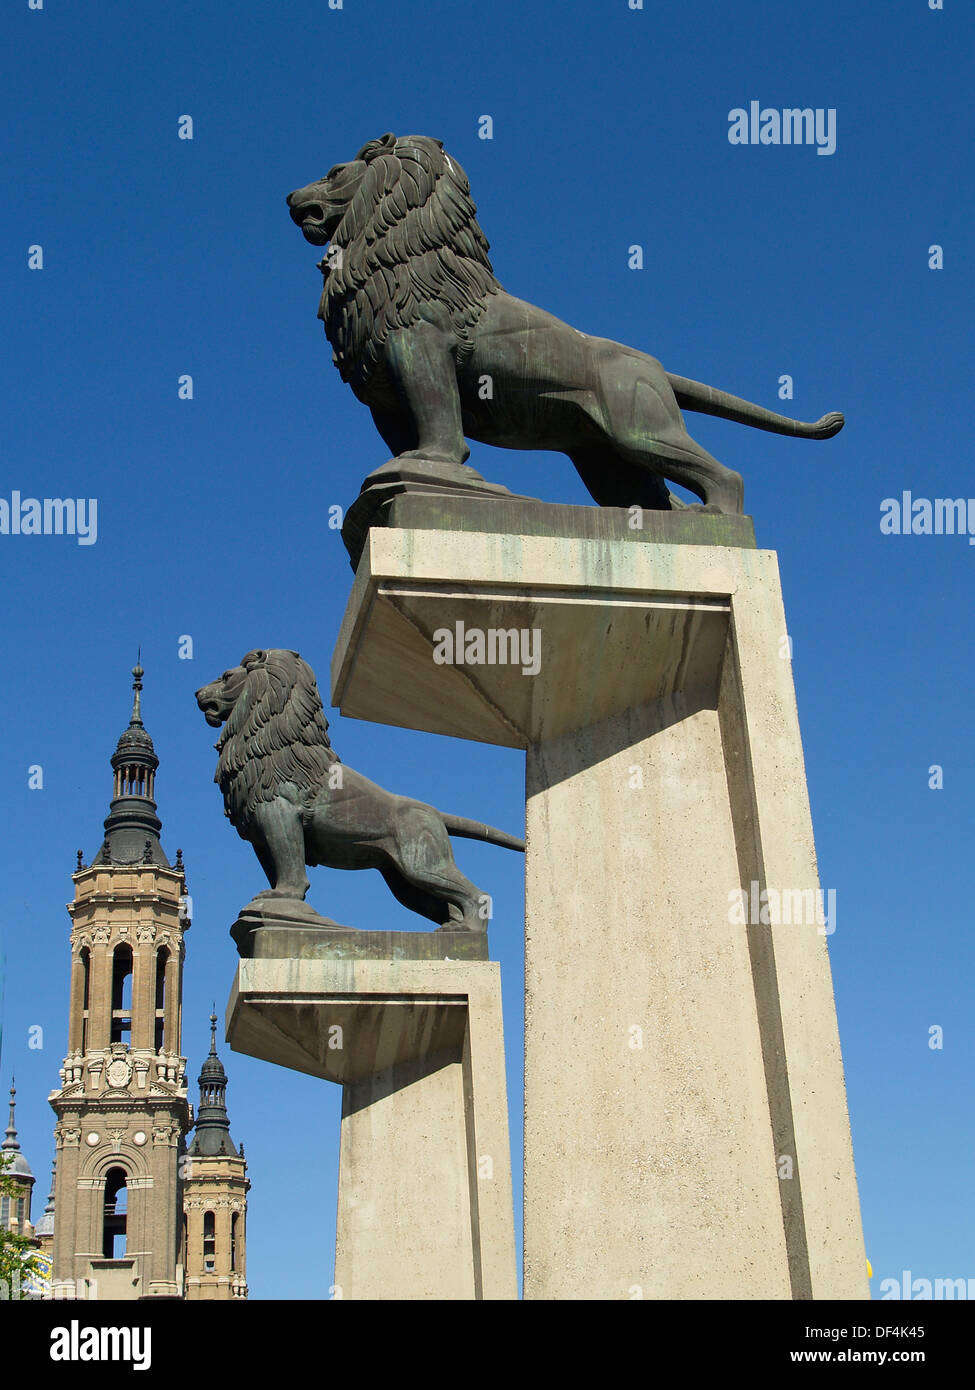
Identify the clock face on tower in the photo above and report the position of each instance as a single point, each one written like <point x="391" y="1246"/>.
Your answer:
<point x="118" y="1072"/>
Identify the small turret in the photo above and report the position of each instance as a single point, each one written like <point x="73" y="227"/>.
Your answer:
<point x="15" y="1210"/>
<point x="211" y="1138"/>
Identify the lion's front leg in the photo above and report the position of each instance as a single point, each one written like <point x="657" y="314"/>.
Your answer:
<point x="420" y="360"/>
<point x="282" y="852"/>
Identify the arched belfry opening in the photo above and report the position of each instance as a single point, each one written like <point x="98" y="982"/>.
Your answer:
<point x="209" y="1242"/>
<point x="115" y="1215"/>
<point x="162" y="966"/>
<point x="121" y="993"/>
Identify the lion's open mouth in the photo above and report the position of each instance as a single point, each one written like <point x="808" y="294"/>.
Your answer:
<point x="211" y="713"/>
<point x="308" y="212"/>
<point x="312" y="219"/>
<point x="313" y="229"/>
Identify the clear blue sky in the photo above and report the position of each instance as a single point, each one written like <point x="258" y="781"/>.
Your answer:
<point x="164" y="257"/>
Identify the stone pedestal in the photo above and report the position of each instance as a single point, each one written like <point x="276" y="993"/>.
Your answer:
<point x="686" y="1130"/>
<point x="425" y="1203"/>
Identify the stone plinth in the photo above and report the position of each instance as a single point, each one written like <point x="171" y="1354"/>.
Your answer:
<point x="425" y="1203"/>
<point x="686" y="1130"/>
<point x="285" y="929"/>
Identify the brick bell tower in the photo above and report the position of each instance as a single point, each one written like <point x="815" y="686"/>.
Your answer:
<point x="122" y="1109"/>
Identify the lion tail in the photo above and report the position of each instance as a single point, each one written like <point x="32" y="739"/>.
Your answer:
<point x="706" y="400"/>
<point x="466" y="829"/>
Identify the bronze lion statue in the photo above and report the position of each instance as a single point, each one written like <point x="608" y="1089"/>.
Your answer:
<point x="431" y="343"/>
<point x="287" y="792"/>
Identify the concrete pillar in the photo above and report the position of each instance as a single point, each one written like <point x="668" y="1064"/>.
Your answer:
<point x="425" y="1205"/>
<point x="686" y="1131"/>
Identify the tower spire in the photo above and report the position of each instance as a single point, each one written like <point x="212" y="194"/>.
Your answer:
<point x="11" y="1141"/>
<point x="45" y="1225"/>
<point x="212" y="1135"/>
<point x="137" y="673"/>
<point x="49" y="1209"/>
<point x="132" y="828"/>
<point x="18" y="1167"/>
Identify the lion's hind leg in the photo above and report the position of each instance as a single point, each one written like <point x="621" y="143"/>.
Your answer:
<point x="655" y="437"/>
<point x="645" y="425"/>
<point x="423" y="863"/>
<point x="411" y="896"/>
<point x="613" y="481"/>
<point x="682" y="460"/>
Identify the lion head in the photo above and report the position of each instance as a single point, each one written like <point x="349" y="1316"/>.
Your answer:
<point x="275" y="732"/>
<point x="404" y="236"/>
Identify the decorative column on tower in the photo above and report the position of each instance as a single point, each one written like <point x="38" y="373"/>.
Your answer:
<point x="215" y="1189"/>
<point x="122" y="1107"/>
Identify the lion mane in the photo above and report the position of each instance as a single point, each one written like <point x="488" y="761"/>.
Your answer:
<point x="276" y="733"/>
<point x="409" y="239"/>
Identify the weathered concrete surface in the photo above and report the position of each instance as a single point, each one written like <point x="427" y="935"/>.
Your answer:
<point x="680" y="1062"/>
<point x="425" y="1204"/>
